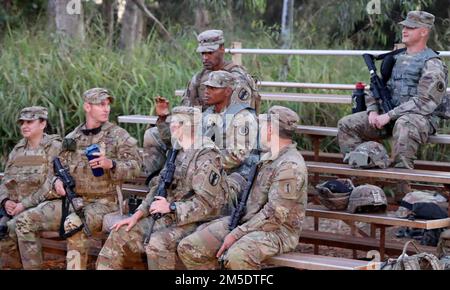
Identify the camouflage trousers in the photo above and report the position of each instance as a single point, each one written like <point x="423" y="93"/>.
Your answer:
<point x="409" y="132"/>
<point x="198" y="250"/>
<point x="122" y="248"/>
<point x="47" y="217"/>
<point x="154" y="155"/>
<point x="9" y="251"/>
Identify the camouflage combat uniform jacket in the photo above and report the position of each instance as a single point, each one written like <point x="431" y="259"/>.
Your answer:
<point x="29" y="172"/>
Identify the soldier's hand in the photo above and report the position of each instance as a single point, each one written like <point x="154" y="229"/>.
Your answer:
<point x="101" y="161"/>
<point x="382" y="120"/>
<point x="19" y="208"/>
<point x="373" y="118"/>
<point x="160" y="205"/>
<point x="161" y="106"/>
<point x="227" y="243"/>
<point x="130" y="222"/>
<point x="59" y="188"/>
<point x="10" y="206"/>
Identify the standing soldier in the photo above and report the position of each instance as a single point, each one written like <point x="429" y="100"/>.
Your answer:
<point x="196" y="194"/>
<point x="118" y="158"/>
<point x="275" y="208"/>
<point x="211" y="47"/>
<point x="417" y="86"/>
<point x="28" y="176"/>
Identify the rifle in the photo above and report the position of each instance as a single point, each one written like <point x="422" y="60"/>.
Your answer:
<point x="378" y="88"/>
<point x="165" y="181"/>
<point x="69" y="185"/>
<point x="239" y="211"/>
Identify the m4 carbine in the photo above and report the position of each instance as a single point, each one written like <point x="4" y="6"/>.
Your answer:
<point x="378" y="88"/>
<point x="239" y="211"/>
<point x="165" y="181"/>
<point x="69" y="185"/>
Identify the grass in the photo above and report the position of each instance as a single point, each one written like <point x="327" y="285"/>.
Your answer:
<point x="35" y="72"/>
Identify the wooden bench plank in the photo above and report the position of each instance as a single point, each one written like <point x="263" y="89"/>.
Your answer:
<point x="357" y="243"/>
<point x="316" y="262"/>
<point x="374" y="218"/>
<point x="388" y="173"/>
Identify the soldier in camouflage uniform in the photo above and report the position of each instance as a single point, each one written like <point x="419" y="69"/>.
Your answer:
<point x="119" y="159"/>
<point x="197" y="194"/>
<point x="417" y="85"/>
<point x="28" y="176"/>
<point x="275" y="209"/>
<point x="211" y="46"/>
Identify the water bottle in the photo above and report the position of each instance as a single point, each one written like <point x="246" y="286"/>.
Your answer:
<point x="358" y="98"/>
<point x="89" y="154"/>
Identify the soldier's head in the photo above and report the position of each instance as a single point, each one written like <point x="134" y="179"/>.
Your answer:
<point x="277" y="126"/>
<point x="97" y="105"/>
<point x="211" y="46"/>
<point x="219" y="87"/>
<point x="33" y="121"/>
<point x="183" y="123"/>
<point x="417" y="27"/>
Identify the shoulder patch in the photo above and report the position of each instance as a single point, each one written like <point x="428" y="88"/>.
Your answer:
<point x="214" y="178"/>
<point x="243" y="94"/>
<point x="440" y="87"/>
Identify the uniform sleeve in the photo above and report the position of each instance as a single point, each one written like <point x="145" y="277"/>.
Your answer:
<point x="45" y="191"/>
<point x="4" y="193"/>
<point x="209" y="195"/>
<point x="430" y="91"/>
<point x="190" y="93"/>
<point x="241" y="139"/>
<point x="286" y="199"/>
<point x="128" y="160"/>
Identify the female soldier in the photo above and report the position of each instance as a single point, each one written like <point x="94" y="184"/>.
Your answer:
<point x="27" y="180"/>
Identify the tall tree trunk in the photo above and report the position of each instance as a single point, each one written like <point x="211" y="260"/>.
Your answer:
<point x="51" y="15"/>
<point x="131" y="26"/>
<point x="108" y="20"/>
<point x="69" y="19"/>
<point x="202" y="20"/>
<point x="287" y="25"/>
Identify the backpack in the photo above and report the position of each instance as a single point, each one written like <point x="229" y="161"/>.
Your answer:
<point x="419" y="261"/>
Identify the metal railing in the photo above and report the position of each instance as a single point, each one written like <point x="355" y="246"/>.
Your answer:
<point x="320" y="52"/>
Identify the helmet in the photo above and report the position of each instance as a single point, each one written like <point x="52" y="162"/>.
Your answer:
<point x="367" y="198"/>
<point x="419" y="197"/>
<point x="334" y="194"/>
<point x="368" y="155"/>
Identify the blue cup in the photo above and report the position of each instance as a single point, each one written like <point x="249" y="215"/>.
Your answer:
<point x="94" y="148"/>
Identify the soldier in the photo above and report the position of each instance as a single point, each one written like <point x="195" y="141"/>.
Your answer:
<point x="28" y="176"/>
<point x="197" y="194"/>
<point x="211" y="46"/>
<point x="119" y="159"/>
<point x="417" y="85"/>
<point x="275" y="209"/>
<point x="233" y="127"/>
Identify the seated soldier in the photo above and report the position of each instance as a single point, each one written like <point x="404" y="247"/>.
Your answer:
<point x="275" y="208"/>
<point x="28" y="175"/>
<point x="117" y="160"/>
<point x="417" y="86"/>
<point x="196" y="194"/>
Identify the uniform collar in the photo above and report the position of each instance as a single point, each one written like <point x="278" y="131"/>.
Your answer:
<point x="269" y="157"/>
<point x="88" y="132"/>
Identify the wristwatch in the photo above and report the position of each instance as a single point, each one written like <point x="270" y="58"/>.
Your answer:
<point x="172" y="207"/>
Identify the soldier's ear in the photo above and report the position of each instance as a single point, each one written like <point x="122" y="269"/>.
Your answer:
<point x="87" y="107"/>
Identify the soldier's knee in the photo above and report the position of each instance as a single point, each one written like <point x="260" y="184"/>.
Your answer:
<point x="237" y="258"/>
<point x="25" y="225"/>
<point x="185" y="250"/>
